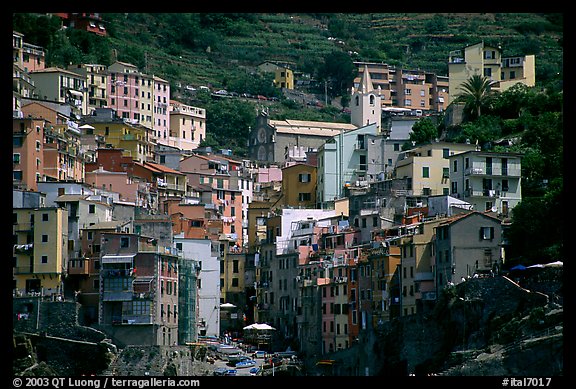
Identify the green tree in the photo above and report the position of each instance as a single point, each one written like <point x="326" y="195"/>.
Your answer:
<point x="536" y="232"/>
<point x="423" y="131"/>
<point x="484" y="129"/>
<point x="228" y="122"/>
<point x="338" y="71"/>
<point x="477" y="94"/>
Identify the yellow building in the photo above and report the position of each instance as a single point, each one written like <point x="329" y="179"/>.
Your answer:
<point x="483" y="60"/>
<point x="284" y="78"/>
<point x="418" y="291"/>
<point x="258" y="212"/>
<point x="146" y="89"/>
<point x="133" y="139"/>
<point x="97" y="82"/>
<point x="40" y="250"/>
<point x="299" y="186"/>
<point x="427" y="167"/>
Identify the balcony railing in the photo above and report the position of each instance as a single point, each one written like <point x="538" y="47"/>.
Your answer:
<point x="132" y="319"/>
<point x="117" y="295"/>
<point x="493" y="171"/>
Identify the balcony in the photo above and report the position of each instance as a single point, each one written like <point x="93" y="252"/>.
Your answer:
<point x="78" y="267"/>
<point x="132" y="319"/>
<point x="23" y="270"/>
<point x="117" y="295"/>
<point x="493" y="171"/>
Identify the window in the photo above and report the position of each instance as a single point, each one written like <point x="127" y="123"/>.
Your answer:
<point x="425" y="171"/>
<point x="304" y="177"/>
<point x="92" y="208"/>
<point x="44" y="217"/>
<point x="16" y="158"/>
<point x="455" y="166"/>
<point x="44" y="238"/>
<point x="44" y="259"/>
<point x="304" y="197"/>
<point x="124" y="241"/>
<point x="486" y="233"/>
<point x="445" y="153"/>
<point x="445" y="172"/>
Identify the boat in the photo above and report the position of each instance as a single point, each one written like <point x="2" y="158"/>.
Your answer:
<point x="246" y="363"/>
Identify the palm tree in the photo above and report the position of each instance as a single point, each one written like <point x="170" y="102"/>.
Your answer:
<point x="477" y="94"/>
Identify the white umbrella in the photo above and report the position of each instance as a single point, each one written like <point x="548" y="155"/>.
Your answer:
<point x="259" y="326"/>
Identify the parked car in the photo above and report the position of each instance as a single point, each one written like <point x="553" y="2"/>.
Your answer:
<point x="260" y="97"/>
<point x="259" y="354"/>
<point x="245" y="363"/>
<point x="220" y="371"/>
<point x="254" y="371"/>
<point x="222" y="92"/>
<point x="230" y="372"/>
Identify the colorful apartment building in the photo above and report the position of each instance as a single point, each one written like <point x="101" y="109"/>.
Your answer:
<point x="40" y="256"/>
<point x="62" y="86"/>
<point x="28" y="57"/>
<point x="466" y="244"/>
<point x="214" y="172"/>
<point x="486" y="60"/>
<point x="427" y="167"/>
<point x="299" y="186"/>
<point x="132" y="139"/>
<point x="491" y="181"/>
<point x="28" y="152"/>
<point x="90" y="22"/>
<point x="161" y="110"/>
<point x="84" y="267"/>
<point x="124" y="91"/>
<point x="187" y="126"/>
<point x="138" y="290"/>
<point x="96" y="77"/>
<point x="404" y="88"/>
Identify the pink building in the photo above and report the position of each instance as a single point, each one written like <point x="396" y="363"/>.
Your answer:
<point x="269" y="174"/>
<point x="161" y="124"/>
<point x="214" y="172"/>
<point x="118" y="182"/>
<point x="123" y="90"/>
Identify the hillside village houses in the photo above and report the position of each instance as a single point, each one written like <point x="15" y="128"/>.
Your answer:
<point x="325" y="231"/>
